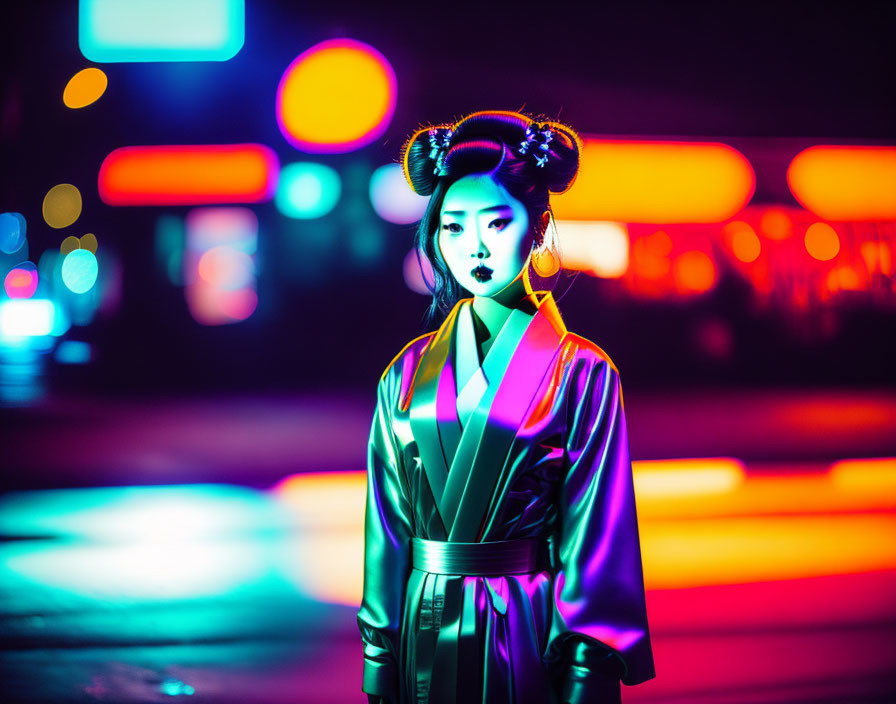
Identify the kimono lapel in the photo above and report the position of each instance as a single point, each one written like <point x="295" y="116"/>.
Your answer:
<point x="515" y="366"/>
<point x="432" y="412"/>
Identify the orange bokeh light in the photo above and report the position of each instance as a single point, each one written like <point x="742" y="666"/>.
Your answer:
<point x="743" y="241"/>
<point x="838" y="182"/>
<point x="650" y="255"/>
<point x="694" y="272"/>
<point x="657" y="182"/>
<point x="84" y="88"/>
<point x="775" y="224"/>
<point x="821" y="241"/>
<point x="843" y="278"/>
<point x="877" y="256"/>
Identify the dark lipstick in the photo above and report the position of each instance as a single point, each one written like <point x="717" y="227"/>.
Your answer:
<point x="482" y="273"/>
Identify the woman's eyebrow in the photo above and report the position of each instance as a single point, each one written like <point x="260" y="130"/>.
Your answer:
<point x="484" y="210"/>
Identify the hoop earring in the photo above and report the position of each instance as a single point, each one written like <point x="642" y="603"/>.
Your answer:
<point x="546" y="258"/>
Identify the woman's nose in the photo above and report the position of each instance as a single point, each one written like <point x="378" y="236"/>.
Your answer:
<point x="481" y="251"/>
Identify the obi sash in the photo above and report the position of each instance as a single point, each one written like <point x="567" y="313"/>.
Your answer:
<point x="494" y="558"/>
<point x="448" y="643"/>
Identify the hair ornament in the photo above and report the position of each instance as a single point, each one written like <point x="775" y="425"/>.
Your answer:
<point x="438" y="150"/>
<point x="537" y="138"/>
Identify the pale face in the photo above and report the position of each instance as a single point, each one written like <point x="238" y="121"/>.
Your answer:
<point x="484" y="234"/>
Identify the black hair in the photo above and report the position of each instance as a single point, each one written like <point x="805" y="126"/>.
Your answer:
<point x="487" y="141"/>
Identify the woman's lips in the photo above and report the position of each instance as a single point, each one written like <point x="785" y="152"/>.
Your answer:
<point x="481" y="273"/>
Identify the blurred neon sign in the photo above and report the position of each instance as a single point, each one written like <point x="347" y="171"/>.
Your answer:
<point x="189" y="174"/>
<point x="112" y="31"/>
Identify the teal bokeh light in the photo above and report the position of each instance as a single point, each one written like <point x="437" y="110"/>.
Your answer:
<point x="174" y="688"/>
<point x="72" y="352"/>
<point x="307" y="190"/>
<point x="111" y="31"/>
<point x="79" y="270"/>
<point x="170" y="238"/>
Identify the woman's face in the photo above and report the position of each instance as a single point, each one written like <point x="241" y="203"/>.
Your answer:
<point x="483" y="234"/>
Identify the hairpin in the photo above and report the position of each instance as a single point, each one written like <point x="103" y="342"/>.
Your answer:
<point x="532" y="131"/>
<point x="437" y="151"/>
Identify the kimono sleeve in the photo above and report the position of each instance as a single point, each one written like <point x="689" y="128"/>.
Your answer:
<point x="387" y="532"/>
<point x="599" y="632"/>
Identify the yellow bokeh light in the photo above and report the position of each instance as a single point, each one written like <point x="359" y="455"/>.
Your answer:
<point x="62" y="205"/>
<point x="84" y="88"/>
<point x="659" y="182"/>
<point x="875" y="476"/>
<point x="89" y="242"/>
<point x="337" y="96"/>
<point x="845" y="182"/>
<point x="69" y="244"/>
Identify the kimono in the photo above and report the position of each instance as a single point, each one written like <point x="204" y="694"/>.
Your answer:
<point x="533" y="449"/>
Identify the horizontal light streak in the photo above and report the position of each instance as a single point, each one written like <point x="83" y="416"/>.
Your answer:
<point x="324" y="500"/>
<point x="112" y="31"/>
<point x="189" y="174"/>
<point x="704" y="487"/>
<point x="873" y="475"/>
<point x="687" y="477"/>
<point x="683" y="554"/>
<point x="321" y="516"/>
<point x="853" y="485"/>
<point x="652" y="181"/>
<point x="845" y="182"/>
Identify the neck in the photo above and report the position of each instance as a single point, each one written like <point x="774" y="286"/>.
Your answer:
<point x="493" y="311"/>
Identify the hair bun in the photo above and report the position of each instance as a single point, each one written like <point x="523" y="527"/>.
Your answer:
<point x="422" y="154"/>
<point x="554" y="150"/>
<point x="545" y="150"/>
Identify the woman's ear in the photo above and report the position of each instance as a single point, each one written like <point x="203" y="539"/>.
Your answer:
<point x="545" y="219"/>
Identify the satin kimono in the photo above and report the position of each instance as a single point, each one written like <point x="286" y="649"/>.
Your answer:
<point x="531" y="445"/>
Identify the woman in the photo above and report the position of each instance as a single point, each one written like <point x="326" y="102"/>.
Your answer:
<point x="502" y="559"/>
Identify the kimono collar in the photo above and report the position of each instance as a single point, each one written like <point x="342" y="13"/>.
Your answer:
<point x="475" y="454"/>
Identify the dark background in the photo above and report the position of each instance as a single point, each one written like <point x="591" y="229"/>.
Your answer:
<point x="814" y="70"/>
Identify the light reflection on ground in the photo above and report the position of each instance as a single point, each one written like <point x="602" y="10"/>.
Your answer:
<point x="222" y="593"/>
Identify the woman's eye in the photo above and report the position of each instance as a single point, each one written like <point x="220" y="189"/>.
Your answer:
<point x="503" y="222"/>
<point x="450" y="227"/>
